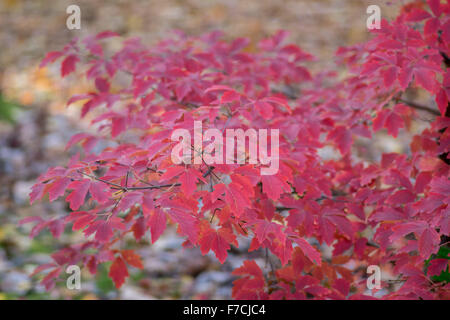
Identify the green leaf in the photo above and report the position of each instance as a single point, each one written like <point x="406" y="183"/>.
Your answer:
<point x="7" y="110"/>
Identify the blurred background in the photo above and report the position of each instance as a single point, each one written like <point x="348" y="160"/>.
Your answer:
<point x="35" y="125"/>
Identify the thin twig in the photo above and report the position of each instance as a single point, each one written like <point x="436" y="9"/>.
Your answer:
<point x="99" y="179"/>
<point x="119" y="187"/>
<point x="420" y="107"/>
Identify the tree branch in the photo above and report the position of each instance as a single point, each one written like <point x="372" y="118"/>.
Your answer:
<point x="119" y="187"/>
<point x="420" y="107"/>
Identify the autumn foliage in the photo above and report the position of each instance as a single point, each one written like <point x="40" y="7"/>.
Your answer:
<point x="393" y="212"/>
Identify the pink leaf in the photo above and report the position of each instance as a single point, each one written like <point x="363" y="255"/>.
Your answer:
<point x="68" y="65"/>
<point x="80" y="189"/>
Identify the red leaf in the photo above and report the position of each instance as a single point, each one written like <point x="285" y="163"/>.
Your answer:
<point x="428" y="242"/>
<point x="188" y="180"/>
<point x="400" y="197"/>
<point x="216" y="240"/>
<point x="342" y="137"/>
<point x="99" y="191"/>
<point x="248" y="268"/>
<point x="106" y="34"/>
<point x="393" y="123"/>
<point x="339" y="221"/>
<point x="437" y="266"/>
<point x="389" y="76"/>
<point x="418" y="15"/>
<point x="264" y="109"/>
<point x="37" y="192"/>
<point x="81" y="218"/>
<point x="42" y="267"/>
<point x="118" y="125"/>
<point x="157" y="223"/>
<point x="49" y="280"/>
<point x="104" y="228"/>
<point x="172" y="172"/>
<point x="435" y="7"/>
<point x="274" y="187"/>
<point x="218" y="88"/>
<point x="118" y="272"/>
<point x="76" y="138"/>
<point x="279" y="101"/>
<point x="58" y="188"/>
<point x="78" y="97"/>
<point x="102" y="84"/>
<point x="403" y="229"/>
<point x="235" y="195"/>
<point x="68" y="65"/>
<point x="251" y="286"/>
<point x="139" y="228"/>
<point x="50" y="57"/>
<point x="309" y="251"/>
<point x="442" y="101"/>
<point x="425" y="78"/>
<point x="132" y="258"/>
<point x="441" y="186"/>
<point x="264" y="229"/>
<point x="342" y="285"/>
<point x="187" y="223"/>
<point x="229" y="96"/>
<point x="76" y="197"/>
<point x="30" y="219"/>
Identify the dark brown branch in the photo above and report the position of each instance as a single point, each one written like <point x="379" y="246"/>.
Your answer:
<point x="420" y="107"/>
<point x="208" y="172"/>
<point x="154" y="170"/>
<point x="152" y="187"/>
<point x="119" y="187"/>
<point x="99" y="179"/>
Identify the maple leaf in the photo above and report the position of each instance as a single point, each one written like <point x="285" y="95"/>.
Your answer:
<point x="106" y="34"/>
<point x="172" y="172"/>
<point x="102" y="84"/>
<point x="49" y="280"/>
<point x="139" y="228"/>
<point x="252" y="284"/>
<point x="99" y="191"/>
<point x="50" y="57"/>
<point x="188" y="180"/>
<point x="428" y="242"/>
<point x="235" y="195"/>
<point x="216" y="240"/>
<point x="68" y="65"/>
<point x="399" y="202"/>
<point x="342" y="137"/>
<point x="265" y="109"/>
<point x="273" y="186"/>
<point x="265" y="229"/>
<point x="118" y="272"/>
<point x="310" y="252"/>
<point x="103" y="229"/>
<point x="437" y="266"/>
<point x="88" y="141"/>
<point x="330" y="220"/>
<point x="76" y="197"/>
<point x="157" y="223"/>
<point x="81" y="219"/>
<point x="57" y="188"/>
<point x="401" y="196"/>
<point x="402" y="229"/>
<point x="186" y="222"/>
<point x="132" y="258"/>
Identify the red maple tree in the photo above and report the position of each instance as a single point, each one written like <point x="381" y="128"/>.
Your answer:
<point x="393" y="212"/>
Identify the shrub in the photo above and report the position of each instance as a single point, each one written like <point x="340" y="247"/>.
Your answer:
<point x="392" y="212"/>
